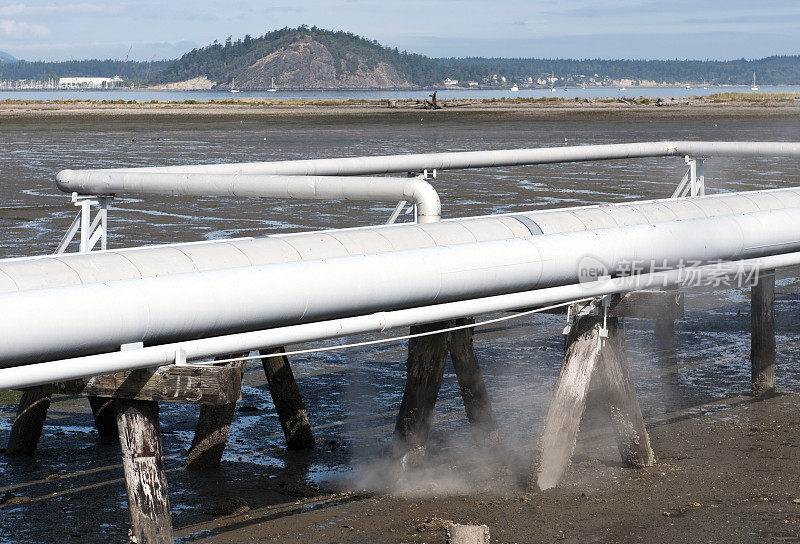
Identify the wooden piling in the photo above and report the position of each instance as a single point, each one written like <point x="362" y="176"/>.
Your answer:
<point x="568" y="403"/>
<point x="762" y="334"/>
<point x="287" y="400"/>
<point x="619" y="395"/>
<point x="143" y="464"/>
<point x="602" y="367"/>
<point x="473" y="388"/>
<point x="424" y="371"/>
<point x="104" y="418"/>
<point x="28" y="424"/>
<point x="213" y="428"/>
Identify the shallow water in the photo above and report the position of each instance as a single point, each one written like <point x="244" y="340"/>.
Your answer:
<point x="146" y="95"/>
<point x="352" y="395"/>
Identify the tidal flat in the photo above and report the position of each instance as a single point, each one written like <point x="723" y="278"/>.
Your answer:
<point x="726" y="463"/>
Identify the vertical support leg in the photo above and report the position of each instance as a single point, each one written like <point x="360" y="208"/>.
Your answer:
<point x="86" y="210"/>
<point x="288" y="402"/>
<point x="210" y="436"/>
<point x="104" y="418"/>
<point x="569" y="400"/>
<point x="28" y="424"/>
<point x="424" y="371"/>
<point x="762" y="334"/>
<point x="145" y="478"/>
<point x="211" y="432"/>
<point x="626" y="416"/>
<point x="473" y="388"/>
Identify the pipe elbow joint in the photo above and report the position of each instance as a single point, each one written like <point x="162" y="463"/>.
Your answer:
<point x="429" y="206"/>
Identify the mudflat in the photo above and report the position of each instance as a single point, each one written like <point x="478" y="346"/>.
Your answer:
<point x="727" y="475"/>
<point x="547" y="108"/>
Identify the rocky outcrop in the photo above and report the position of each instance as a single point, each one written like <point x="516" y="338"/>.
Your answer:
<point x="201" y="83"/>
<point x="308" y="64"/>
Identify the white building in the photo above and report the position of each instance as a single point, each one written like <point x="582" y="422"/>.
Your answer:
<point x="449" y="81"/>
<point x="89" y="82"/>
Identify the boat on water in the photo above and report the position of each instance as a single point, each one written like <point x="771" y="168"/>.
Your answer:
<point x="754" y="87"/>
<point x="272" y="88"/>
<point x="623" y="89"/>
<point x="687" y="86"/>
<point x="514" y="88"/>
<point x="233" y="88"/>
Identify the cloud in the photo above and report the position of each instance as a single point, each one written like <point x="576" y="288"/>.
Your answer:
<point x="82" y="8"/>
<point x="20" y="30"/>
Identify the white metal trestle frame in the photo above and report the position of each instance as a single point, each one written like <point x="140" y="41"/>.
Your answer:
<point x="693" y="182"/>
<point x="90" y="231"/>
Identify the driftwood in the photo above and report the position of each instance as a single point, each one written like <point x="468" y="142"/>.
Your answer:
<point x="432" y="104"/>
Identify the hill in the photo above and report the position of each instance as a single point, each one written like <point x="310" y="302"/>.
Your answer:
<point x="313" y="58"/>
<point x="6" y="57"/>
<point x="303" y="58"/>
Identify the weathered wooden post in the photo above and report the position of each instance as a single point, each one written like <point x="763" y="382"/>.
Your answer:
<point x="145" y="478"/>
<point x="104" y="417"/>
<point x="427" y="356"/>
<point x="762" y="334"/>
<point x="287" y="400"/>
<point x="563" y="418"/>
<point x="473" y="388"/>
<point x="626" y="415"/>
<point x="28" y="425"/>
<point x="595" y="351"/>
<point x="212" y="430"/>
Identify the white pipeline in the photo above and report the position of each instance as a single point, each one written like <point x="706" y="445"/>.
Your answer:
<point x="356" y="166"/>
<point x="104" y="182"/>
<point x="28" y="273"/>
<point x="68" y="369"/>
<point x="42" y="324"/>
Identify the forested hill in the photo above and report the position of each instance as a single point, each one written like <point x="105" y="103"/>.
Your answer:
<point x="304" y="57"/>
<point x="313" y="58"/>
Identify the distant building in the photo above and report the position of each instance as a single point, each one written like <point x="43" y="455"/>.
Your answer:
<point x="472" y="83"/>
<point x="449" y="81"/>
<point x="89" y="82"/>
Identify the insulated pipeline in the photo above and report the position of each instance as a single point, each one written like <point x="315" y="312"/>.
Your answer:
<point x="46" y="323"/>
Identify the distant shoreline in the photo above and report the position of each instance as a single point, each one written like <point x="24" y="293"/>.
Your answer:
<point x="721" y="105"/>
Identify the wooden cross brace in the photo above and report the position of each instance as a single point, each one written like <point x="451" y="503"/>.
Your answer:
<point x="591" y="361"/>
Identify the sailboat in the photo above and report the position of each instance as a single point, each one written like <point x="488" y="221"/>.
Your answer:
<point x="233" y="88"/>
<point x="272" y="88"/>
<point x="754" y="87"/>
<point x="514" y="88"/>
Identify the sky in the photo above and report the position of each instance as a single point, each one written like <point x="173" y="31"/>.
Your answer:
<point x="652" y="29"/>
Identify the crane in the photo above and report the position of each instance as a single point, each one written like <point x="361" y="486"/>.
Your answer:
<point x="126" y="61"/>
